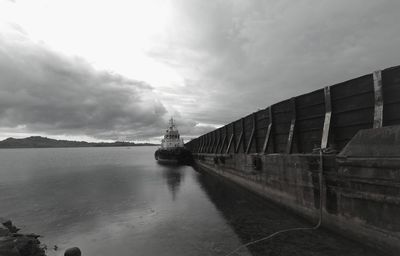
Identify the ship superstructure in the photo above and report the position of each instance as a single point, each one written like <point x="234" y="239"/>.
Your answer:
<point x="172" y="137"/>
<point x="172" y="148"/>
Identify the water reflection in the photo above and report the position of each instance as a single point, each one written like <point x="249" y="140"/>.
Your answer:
<point x="111" y="201"/>
<point x="252" y="217"/>
<point x="115" y="201"/>
<point x="173" y="175"/>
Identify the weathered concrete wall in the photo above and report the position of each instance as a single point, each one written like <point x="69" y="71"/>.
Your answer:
<point x="361" y="185"/>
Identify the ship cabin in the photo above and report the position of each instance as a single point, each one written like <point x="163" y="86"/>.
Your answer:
<point x="172" y="138"/>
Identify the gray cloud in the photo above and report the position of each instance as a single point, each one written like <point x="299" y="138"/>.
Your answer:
<point x="235" y="56"/>
<point x="239" y="56"/>
<point x="45" y="92"/>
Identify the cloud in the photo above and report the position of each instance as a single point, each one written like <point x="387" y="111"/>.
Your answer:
<point x="234" y="57"/>
<point x="42" y="91"/>
<point x="238" y="56"/>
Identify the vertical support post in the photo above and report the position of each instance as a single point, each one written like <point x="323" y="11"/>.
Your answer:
<point x="219" y="150"/>
<point x="213" y="139"/>
<point x="230" y="143"/>
<point x="378" y="112"/>
<point x="251" y="135"/>
<point x="292" y="127"/>
<point x="327" y="120"/>
<point x="269" y="130"/>
<point x="239" y="141"/>
<point x="223" y="139"/>
<point x="219" y="141"/>
<point x="234" y="137"/>
<point x="201" y="144"/>
<point x="198" y="145"/>
<point x="244" y="135"/>
<point x="208" y="141"/>
<point x="231" y="140"/>
<point x="204" y="144"/>
<point x="218" y="135"/>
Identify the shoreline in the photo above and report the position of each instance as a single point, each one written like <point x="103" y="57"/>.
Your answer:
<point x="85" y="146"/>
<point x="13" y="243"/>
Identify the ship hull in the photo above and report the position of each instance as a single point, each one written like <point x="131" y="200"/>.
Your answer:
<point x="173" y="156"/>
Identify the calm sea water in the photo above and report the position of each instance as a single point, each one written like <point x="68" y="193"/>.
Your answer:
<point x="119" y="201"/>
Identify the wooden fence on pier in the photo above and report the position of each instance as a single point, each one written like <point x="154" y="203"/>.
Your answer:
<point x="327" y="117"/>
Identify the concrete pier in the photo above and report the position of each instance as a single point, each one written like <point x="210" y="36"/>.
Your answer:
<point x="276" y="153"/>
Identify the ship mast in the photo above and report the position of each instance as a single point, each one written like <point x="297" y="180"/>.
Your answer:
<point x="171" y="124"/>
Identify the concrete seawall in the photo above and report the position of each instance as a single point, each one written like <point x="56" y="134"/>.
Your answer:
<point x="275" y="153"/>
<point x="361" y="194"/>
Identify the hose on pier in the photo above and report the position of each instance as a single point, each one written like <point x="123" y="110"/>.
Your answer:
<point x="320" y="176"/>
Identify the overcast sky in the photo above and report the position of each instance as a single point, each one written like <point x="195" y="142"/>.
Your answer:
<point x="117" y="70"/>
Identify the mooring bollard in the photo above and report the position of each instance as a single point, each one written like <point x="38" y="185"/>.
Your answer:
<point x="74" y="251"/>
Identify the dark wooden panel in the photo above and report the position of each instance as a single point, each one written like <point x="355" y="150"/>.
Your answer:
<point x="195" y="145"/>
<point x="283" y="106"/>
<point x="217" y="138"/>
<point x="342" y="135"/>
<point x="311" y="124"/>
<point x="205" y="146"/>
<point x="352" y="87"/>
<point x="282" y="128"/>
<point x="222" y="146"/>
<point x="260" y="135"/>
<point x="206" y="142"/>
<point x="238" y="128"/>
<point x="310" y="140"/>
<point x="238" y="132"/>
<point x="262" y="114"/>
<point x="391" y="114"/>
<point x="248" y="126"/>
<point x="310" y="99"/>
<point x="262" y="119"/>
<point x="210" y="142"/>
<point x="362" y="116"/>
<point x="230" y="132"/>
<point x="391" y="77"/>
<point x="310" y="112"/>
<point x="254" y="146"/>
<point x="391" y="96"/>
<point x="353" y="104"/>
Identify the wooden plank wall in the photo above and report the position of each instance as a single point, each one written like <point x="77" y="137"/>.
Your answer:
<point x="296" y="125"/>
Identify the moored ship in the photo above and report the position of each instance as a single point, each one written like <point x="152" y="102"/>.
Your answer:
<point x="172" y="148"/>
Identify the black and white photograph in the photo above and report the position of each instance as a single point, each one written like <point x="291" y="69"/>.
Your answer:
<point x="199" y="128"/>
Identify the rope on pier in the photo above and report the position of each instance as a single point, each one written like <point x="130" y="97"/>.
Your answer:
<point x="321" y="166"/>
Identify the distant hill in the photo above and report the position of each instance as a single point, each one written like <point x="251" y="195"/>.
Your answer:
<point x="43" y="142"/>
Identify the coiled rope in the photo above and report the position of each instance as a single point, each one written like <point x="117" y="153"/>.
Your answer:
<point x="321" y="166"/>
